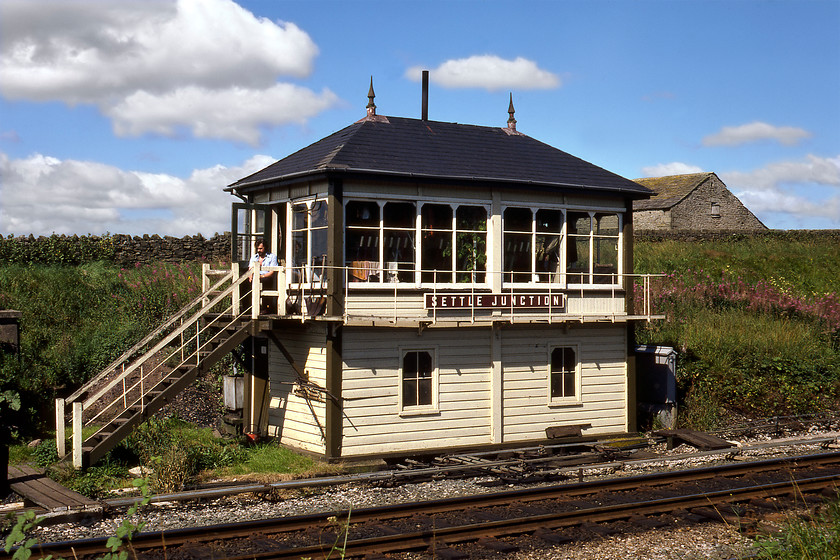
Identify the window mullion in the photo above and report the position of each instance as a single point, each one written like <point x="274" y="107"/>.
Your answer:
<point x="454" y="236"/>
<point x="591" y="248"/>
<point x="418" y="238"/>
<point x="381" y="263"/>
<point x="533" y="245"/>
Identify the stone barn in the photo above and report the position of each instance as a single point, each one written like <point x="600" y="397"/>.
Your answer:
<point x="697" y="202"/>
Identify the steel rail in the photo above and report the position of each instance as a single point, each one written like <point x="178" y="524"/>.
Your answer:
<point x="507" y="527"/>
<point x="278" y="525"/>
<point x="394" y="476"/>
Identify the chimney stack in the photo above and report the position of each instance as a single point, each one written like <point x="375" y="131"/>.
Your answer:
<point x="424" y="110"/>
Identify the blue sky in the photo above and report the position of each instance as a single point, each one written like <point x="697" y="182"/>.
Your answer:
<point x="132" y="116"/>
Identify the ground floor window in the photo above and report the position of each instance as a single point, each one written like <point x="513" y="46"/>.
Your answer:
<point x="418" y="380"/>
<point x="563" y="374"/>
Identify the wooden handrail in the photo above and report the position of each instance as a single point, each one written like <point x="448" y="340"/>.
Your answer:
<point x="133" y="350"/>
<point x="165" y="341"/>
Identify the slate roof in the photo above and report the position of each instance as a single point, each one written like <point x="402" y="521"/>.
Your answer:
<point x="669" y="190"/>
<point x="441" y="150"/>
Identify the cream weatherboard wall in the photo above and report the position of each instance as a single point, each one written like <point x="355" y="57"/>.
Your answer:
<point x="291" y="417"/>
<point x="373" y="421"/>
<point x="492" y="386"/>
<point x="603" y="380"/>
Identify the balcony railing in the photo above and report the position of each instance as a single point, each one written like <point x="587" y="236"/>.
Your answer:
<point x="302" y="293"/>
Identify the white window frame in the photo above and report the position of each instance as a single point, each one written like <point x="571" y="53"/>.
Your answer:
<point x="453" y="231"/>
<point x="418" y="232"/>
<point x="310" y="275"/>
<point x="419" y="410"/>
<point x="533" y="283"/>
<point x="565" y="401"/>
<point x="591" y="284"/>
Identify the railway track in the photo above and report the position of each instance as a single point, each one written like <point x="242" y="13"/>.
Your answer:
<point x="735" y="493"/>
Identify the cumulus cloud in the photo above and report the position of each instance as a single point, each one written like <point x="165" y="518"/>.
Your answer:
<point x="233" y="114"/>
<point x="812" y="169"/>
<point x="91" y="197"/>
<point x="202" y="54"/>
<point x="755" y="132"/>
<point x="489" y="72"/>
<point x="792" y="188"/>
<point x="673" y="168"/>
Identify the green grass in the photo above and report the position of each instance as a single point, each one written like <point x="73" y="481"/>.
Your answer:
<point x="77" y="319"/>
<point x="270" y="458"/>
<point x="806" y="264"/>
<point x="756" y="323"/>
<point x="816" y="539"/>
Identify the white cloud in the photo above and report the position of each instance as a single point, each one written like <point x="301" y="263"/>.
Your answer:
<point x="233" y="114"/>
<point x="91" y="197"/>
<point x="489" y="72"/>
<point x="813" y="169"/>
<point x="755" y="132"/>
<point x="673" y="168"/>
<point x="793" y="188"/>
<point x="115" y="55"/>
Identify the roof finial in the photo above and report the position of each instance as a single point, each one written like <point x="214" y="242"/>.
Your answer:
<point x="511" y="123"/>
<point x="371" y="106"/>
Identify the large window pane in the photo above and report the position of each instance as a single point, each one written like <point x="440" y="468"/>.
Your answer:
<point x="309" y="240"/>
<point x="577" y="247"/>
<point x="548" y="241"/>
<point x="436" y="244"/>
<point x="471" y="243"/>
<point x="399" y="220"/>
<point x="605" y="239"/>
<point x="518" y="234"/>
<point x="300" y="240"/>
<point x="361" y="242"/>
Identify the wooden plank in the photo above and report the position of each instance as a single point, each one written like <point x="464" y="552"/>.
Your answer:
<point x="555" y="432"/>
<point x="35" y="486"/>
<point x="700" y="440"/>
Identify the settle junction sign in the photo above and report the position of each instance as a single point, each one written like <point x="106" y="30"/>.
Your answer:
<point x="555" y="302"/>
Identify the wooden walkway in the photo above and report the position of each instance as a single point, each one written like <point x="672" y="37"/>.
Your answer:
<point x="37" y="489"/>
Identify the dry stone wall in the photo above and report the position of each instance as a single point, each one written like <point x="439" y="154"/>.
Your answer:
<point x="124" y="250"/>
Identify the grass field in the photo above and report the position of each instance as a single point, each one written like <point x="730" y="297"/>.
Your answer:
<point x="756" y="322"/>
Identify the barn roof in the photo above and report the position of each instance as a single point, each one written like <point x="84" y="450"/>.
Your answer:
<point x="423" y="149"/>
<point x="669" y="190"/>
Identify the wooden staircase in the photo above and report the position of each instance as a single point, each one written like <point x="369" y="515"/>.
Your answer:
<point x="156" y="369"/>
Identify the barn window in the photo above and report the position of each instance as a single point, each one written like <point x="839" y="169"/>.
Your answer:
<point x="715" y="209"/>
<point x="417" y="379"/>
<point x="563" y="374"/>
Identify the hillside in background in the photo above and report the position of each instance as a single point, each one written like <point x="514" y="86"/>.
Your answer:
<point x="755" y="319"/>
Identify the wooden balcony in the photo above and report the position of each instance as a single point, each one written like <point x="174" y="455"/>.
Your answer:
<point x="610" y="298"/>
